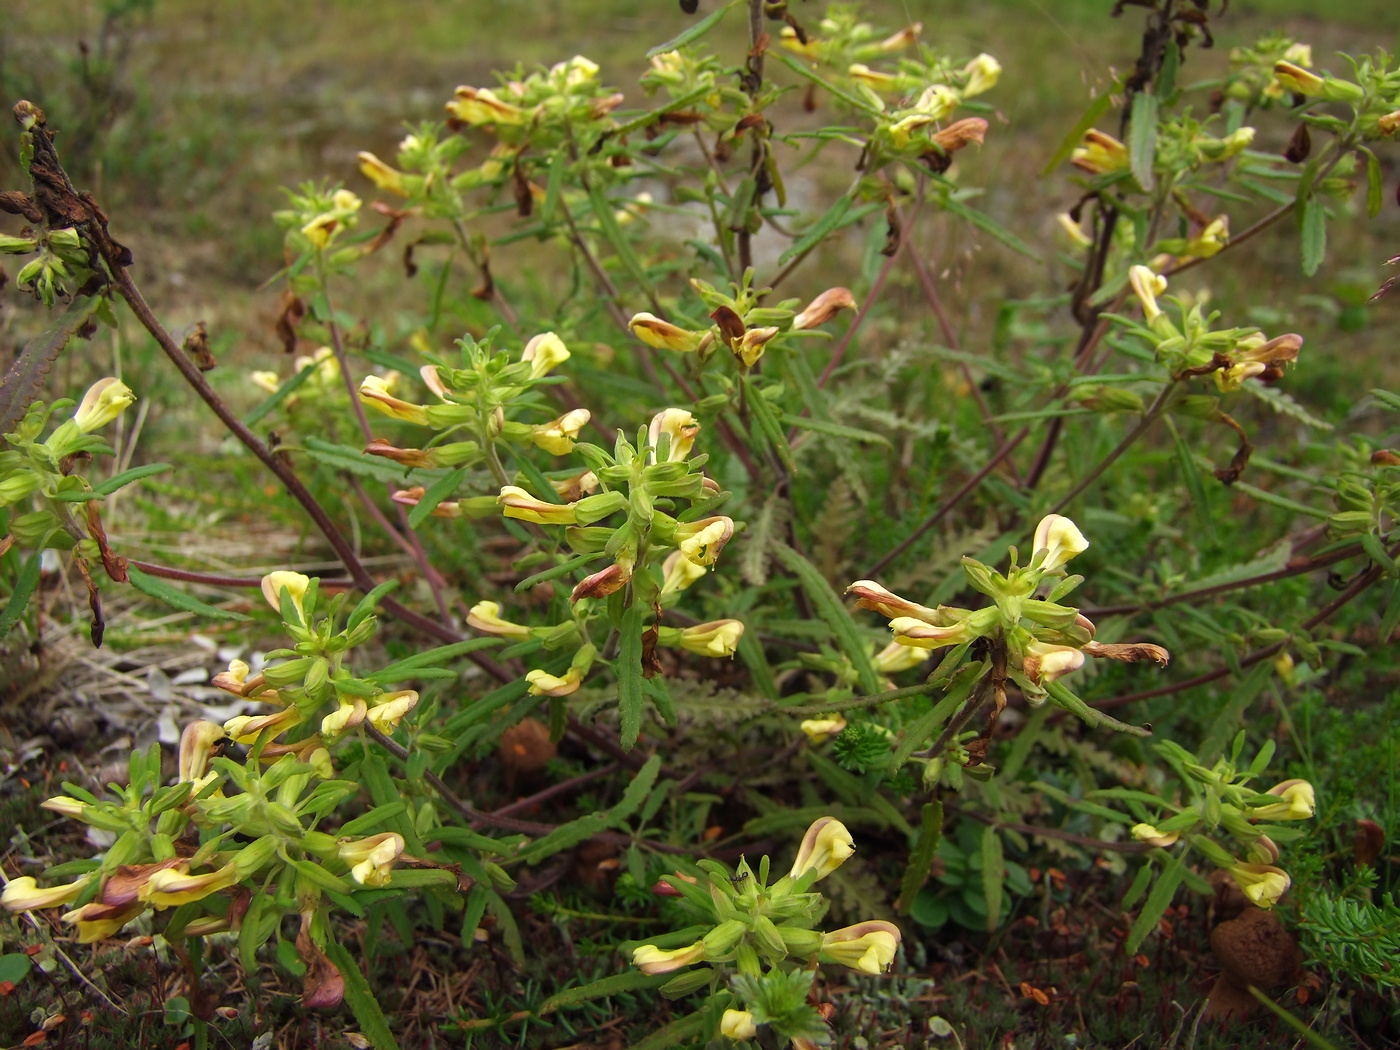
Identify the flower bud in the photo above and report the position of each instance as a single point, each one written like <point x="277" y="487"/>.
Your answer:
<point x="374" y="390"/>
<point x="823" y="308"/>
<point x="557" y="437"/>
<point x="386" y="178"/>
<point x="485" y="616"/>
<point x="519" y="504"/>
<point x="23" y="893"/>
<point x="716" y="638"/>
<point x="1100" y="154"/>
<point x="663" y="335"/>
<point x="982" y="74"/>
<point x="737" y="1025"/>
<point x="679" y="572"/>
<point x="197" y="747"/>
<point x="1149" y="834"/>
<point x="724" y="938"/>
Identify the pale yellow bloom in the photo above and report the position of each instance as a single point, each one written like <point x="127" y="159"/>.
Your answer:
<point x="296" y="586"/>
<point x="104" y="401"/>
<point x="371" y="859"/>
<point x="1147" y="286"/>
<point x="820" y="730"/>
<point x="1264" y="884"/>
<point x="171" y="887"/>
<point x="1044" y="662"/>
<point x="542" y="683"/>
<point x="982" y="75"/>
<point x="1149" y="834"/>
<point x="868" y="947"/>
<point x="486" y="616"/>
<point x="717" y="638"/>
<point x="737" y="1024"/>
<point x="557" y="437"/>
<point x="678" y="572"/>
<point x="652" y="960"/>
<point x="1299" y="802"/>
<point x="663" y="335"/>
<point x="823" y="308"/>
<point x="375" y="390"/>
<point x="701" y="541"/>
<point x="389" y="709"/>
<point x="517" y="503"/>
<point x="680" y="426"/>
<point x="825" y="846"/>
<point x="545" y="352"/>
<point x="1099" y="154"/>
<point x="23" y="893"/>
<point x="1060" y="538"/>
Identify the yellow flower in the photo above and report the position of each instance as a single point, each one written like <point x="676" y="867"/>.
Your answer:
<point x="824" y="848"/>
<point x="557" y="437"/>
<point x="294" y="583"/>
<point x="1060" y="538"/>
<point x="386" y="178"/>
<point x="97" y="922"/>
<point x="375" y="390"/>
<point x="716" y="638"/>
<point x="542" y="683"/>
<point x="982" y="75"/>
<point x="737" y="1024"/>
<point x="749" y="347"/>
<point x="1043" y="662"/>
<point x="486" y="616"/>
<point x="678" y="572"/>
<point x="871" y="595"/>
<point x="1147" y="286"/>
<point x="1099" y="154"/>
<point x="482" y="106"/>
<point x="1299" y="802"/>
<point x="1147" y="833"/>
<point x="701" y="541"/>
<point x="103" y="402"/>
<point x="663" y="335"/>
<point x="197" y="747"/>
<point x="544" y="352"/>
<point x="923" y="635"/>
<point x="897" y="657"/>
<point x="171" y="887"/>
<point x="389" y="709"/>
<point x="820" y="730"/>
<point x="350" y="713"/>
<point x="244" y="729"/>
<point x="652" y="960"/>
<point x="1297" y="79"/>
<point x="868" y="947"/>
<point x="680" y="426"/>
<point x="519" y="504"/>
<point x="23" y="893"/>
<point x="371" y="859"/>
<point x="1264" y="884"/>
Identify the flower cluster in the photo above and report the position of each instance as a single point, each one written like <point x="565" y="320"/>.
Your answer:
<point x="654" y="554"/>
<point x="1042" y="639"/>
<point x="1232" y="825"/>
<point x="762" y="935"/>
<point x="1192" y="348"/>
<point x="741" y="324"/>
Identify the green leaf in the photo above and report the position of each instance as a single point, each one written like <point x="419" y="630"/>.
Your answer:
<point x="1375" y="183"/>
<point x="916" y="873"/>
<point x="126" y="477"/>
<point x="818" y="230"/>
<point x="439" y="491"/>
<point x="987" y="224"/>
<point x="1391" y="617"/>
<point x="1139" y="886"/>
<point x="1314" y="235"/>
<point x="14" y="967"/>
<point x="277" y="397"/>
<point x="628" y="669"/>
<point x="318" y="876"/>
<point x="1283" y="502"/>
<point x="361" y="999"/>
<point x="632" y="981"/>
<point x="554" y="572"/>
<point x="1227" y="720"/>
<point x="25" y="584"/>
<point x="410" y="666"/>
<point x="156" y="588"/>
<point x="367" y="822"/>
<point x="1157" y="901"/>
<point x="1316" y="1039"/>
<point x="694" y="32"/>
<point x="1191" y="475"/>
<point x="1091" y="116"/>
<point x="354" y="461"/>
<point x="613" y="234"/>
<point x="766" y="417"/>
<point x="636" y="792"/>
<point x="993" y="876"/>
<point x="677" y="1033"/>
<point x="822" y="426"/>
<point x="1142" y="138"/>
<point x="916" y="733"/>
<point x="831" y="609"/>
